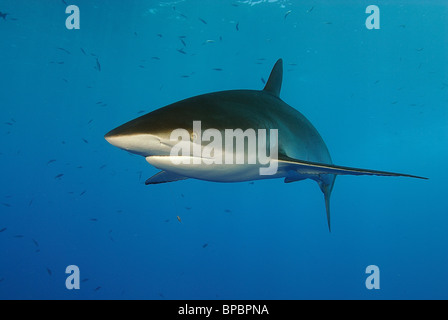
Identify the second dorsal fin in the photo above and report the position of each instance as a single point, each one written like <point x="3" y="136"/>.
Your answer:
<point x="274" y="84"/>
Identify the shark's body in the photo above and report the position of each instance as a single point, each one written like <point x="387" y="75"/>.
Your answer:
<point x="302" y="153"/>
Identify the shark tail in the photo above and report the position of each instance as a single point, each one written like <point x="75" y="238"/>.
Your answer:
<point x="326" y="188"/>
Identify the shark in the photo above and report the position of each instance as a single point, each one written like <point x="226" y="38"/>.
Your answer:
<point x="301" y="151"/>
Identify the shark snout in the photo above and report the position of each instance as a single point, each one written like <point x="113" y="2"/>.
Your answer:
<point x="143" y="144"/>
<point x="114" y="139"/>
<point x="117" y="137"/>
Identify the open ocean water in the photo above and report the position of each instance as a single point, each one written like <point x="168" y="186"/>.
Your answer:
<point x="378" y="97"/>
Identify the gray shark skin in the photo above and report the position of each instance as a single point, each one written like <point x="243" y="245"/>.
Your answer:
<point x="302" y="153"/>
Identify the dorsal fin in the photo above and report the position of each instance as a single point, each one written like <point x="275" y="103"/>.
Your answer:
<point x="274" y="84"/>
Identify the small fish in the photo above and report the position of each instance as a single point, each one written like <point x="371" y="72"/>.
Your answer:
<point x="94" y="220"/>
<point x="263" y="81"/>
<point x="287" y="13"/>
<point x="90" y="121"/>
<point x="185" y="76"/>
<point x="18" y="236"/>
<point x="183" y="42"/>
<point x="97" y="288"/>
<point x="59" y="176"/>
<point x="82" y="193"/>
<point x="141" y="111"/>
<point x="3" y="230"/>
<point x="84" y="280"/>
<point x="142" y="67"/>
<point x="65" y="50"/>
<point x="160" y="35"/>
<point x="237" y="26"/>
<point x="309" y="10"/>
<point x="35" y="243"/>
<point x="179" y="219"/>
<point x="82" y="50"/>
<point x="188" y="208"/>
<point x="155" y="58"/>
<point x="51" y="161"/>
<point x="98" y="65"/>
<point x="49" y="271"/>
<point x="203" y="21"/>
<point x="6" y="204"/>
<point x="85" y="141"/>
<point x="181" y="51"/>
<point x="228" y="210"/>
<point x="205" y="245"/>
<point x="103" y="166"/>
<point x="217" y="69"/>
<point x="3" y="15"/>
<point x="99" y="102"/>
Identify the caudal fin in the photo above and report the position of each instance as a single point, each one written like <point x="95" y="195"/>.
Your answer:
<point x="326" y="188"/>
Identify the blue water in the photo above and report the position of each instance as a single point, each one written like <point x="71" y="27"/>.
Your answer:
<point x="378" y="98"/>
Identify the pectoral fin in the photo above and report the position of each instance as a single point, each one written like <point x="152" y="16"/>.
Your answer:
<point x="313" y="168"/>
<point x="163" y="177"/>
<point x="325" y="175"/>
